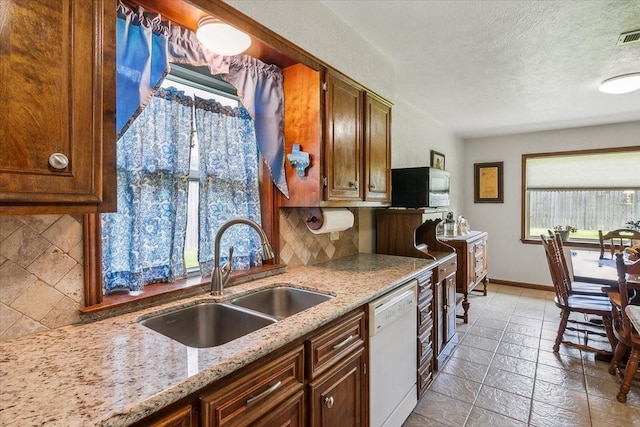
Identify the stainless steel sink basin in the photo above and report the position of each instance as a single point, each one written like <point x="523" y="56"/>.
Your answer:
<point x="281" y="301"/>
<point x="207" y="324"/>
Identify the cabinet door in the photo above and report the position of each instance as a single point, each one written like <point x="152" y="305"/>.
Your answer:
<point x="182" y="417"/>
<point x="343" y="150"/>
<point x="450" y="307"/>
<point x="55" y="106"/>
<point x="337" y="398"/>
<point x="377" y="149"/>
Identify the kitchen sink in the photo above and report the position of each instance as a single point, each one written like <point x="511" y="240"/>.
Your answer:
<point x="207" y="324"/>
<point x="281" y="301"/>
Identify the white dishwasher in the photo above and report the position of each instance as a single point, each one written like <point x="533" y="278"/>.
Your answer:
<point x="392" y="356"/>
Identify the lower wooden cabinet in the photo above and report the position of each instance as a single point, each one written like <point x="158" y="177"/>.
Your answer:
<point x="444" y="308"/>
<point x="319" y="380"/>
<point x="255" y="393"/>
<point x="425" y="331"/>
<point x="337" y="398"/>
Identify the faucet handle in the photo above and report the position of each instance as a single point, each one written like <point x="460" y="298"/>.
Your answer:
<point x="227" y="268"/>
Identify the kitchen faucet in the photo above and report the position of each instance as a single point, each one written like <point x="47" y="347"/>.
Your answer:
<point x="220" y="276"/>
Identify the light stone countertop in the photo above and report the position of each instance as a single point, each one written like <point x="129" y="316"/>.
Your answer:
<point x="115" y="371"/>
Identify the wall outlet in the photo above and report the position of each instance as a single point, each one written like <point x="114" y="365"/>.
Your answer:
<point x="334" y="235"/>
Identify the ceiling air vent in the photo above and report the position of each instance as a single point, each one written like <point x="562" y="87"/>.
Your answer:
<point x="629" y="37"/>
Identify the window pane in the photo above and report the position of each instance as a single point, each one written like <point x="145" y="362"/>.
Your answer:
<point x="586" y="210"/>
<point x="191" y="242"/>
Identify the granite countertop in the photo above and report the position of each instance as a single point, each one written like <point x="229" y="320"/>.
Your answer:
<point x="115" y="371"/>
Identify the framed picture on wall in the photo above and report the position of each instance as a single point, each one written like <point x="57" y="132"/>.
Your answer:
<point x="437" y="160"/>
<point x="488" y="182"/>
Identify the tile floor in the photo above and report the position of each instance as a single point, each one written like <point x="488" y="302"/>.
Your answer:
<point x="504" y="372"/>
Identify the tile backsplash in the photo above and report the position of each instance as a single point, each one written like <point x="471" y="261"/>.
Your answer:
<point x="41" y="277"/>
<point x="41" y="270"/>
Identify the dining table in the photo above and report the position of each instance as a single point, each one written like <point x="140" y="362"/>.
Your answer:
<point x="587" y="266"/>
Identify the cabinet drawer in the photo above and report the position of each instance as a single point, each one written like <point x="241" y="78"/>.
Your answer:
<point x="425" y="348"/>
<point x="255" y="393"/>
<point x="328" y="347"/>
<point x="425" y="319"/>
<point x="425" y="375"/>
<point x="446" y="268"/>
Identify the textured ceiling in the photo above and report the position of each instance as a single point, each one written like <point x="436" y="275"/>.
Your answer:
<point x="484" y="68"/>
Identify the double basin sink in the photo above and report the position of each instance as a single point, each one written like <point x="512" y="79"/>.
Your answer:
<point x="209" y="324"/>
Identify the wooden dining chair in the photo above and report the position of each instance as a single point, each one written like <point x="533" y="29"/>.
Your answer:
<point x="576" y="288"/>
<point x="617" y="240"/>
<point x="568" y="303"/>
<point x="628" y="337"/>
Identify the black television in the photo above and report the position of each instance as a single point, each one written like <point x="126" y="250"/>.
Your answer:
<point x="421" y="187"/>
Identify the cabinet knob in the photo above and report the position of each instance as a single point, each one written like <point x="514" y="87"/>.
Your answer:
<point x="353" y="185"/>
<point x="328" y="401"/>
<point x="58" y="161"/>
<point x="372" y="186"/>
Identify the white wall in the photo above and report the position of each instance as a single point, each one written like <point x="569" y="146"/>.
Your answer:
<point x="509" y="259"/>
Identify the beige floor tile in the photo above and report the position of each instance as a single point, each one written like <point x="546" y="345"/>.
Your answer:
<point x="474" y="354"/>
<point x="532" y="331"/>
<point x="508" y="381"/>
<point x="515" y="350"/>
<point x="483" y="331"/>
<point x="480" y="342"/>
<point x="490" y="323"/>
<point x="443" y="409"/>
<point x="544" y="415"/>
<point x="515" y="365"/>
<point x="560" y="361"/>
<point x="504" y="403"/>
<point x="466" y="369"/>
<point x="481" y="417"/>
<point x="559" y="396"/>
<point x="568" y="379"/>
<point x="456" y="387"/>
<point x="612" y="412"/>
<point x="416" y="420"/>
<point x="522" y="340"/>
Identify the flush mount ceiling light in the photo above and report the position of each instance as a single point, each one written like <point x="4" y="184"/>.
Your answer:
<point x="621" y="84"/>
<point x="221" y="38"/>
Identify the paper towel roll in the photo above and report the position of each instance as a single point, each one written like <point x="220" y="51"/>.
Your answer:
<point x="334" y="219"/>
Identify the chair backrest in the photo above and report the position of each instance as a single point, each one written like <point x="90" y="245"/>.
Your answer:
<point x="617" y="239"/>
<point x="561" y="284"/>
<point x="557" y="239"/>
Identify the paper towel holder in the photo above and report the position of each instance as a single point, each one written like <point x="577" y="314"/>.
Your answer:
<point x="315" y="219"/>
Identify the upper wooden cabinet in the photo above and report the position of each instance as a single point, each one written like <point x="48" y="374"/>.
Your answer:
<point x="357" y="143"/>
<point x="57" y="86"/>
<point x="349" y="140"/>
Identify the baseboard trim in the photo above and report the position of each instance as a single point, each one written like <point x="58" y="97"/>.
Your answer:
<point x="522" y="285"/>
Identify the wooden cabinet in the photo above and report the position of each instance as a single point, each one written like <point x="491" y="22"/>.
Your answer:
<point x="349" y="141"/>
<point x="357" y="143"/>
<point x="335" y="368"/>
<point x="472" y="265"/>
<point x="184" y="416"/>
<point x="444" y="308"/>
<point x="425" y="331"/>
<point x="252" y="396"/>
<point x="57" y="86"/>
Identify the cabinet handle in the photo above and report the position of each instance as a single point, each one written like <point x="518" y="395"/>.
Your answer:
<point x="343" y="343"/>
<point x="353" y="185"/>
<point x="58" y="161"/>
<point x="268" y="391"/>
<point x="328" y="401"/>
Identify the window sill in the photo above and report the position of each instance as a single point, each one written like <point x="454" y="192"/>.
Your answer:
<point x="162" y="292"/>
<point x="570" y="244"/>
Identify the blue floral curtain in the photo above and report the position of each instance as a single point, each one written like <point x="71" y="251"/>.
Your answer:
<point x="228" y="183"/>
<point x="142" y="61"/>
<point x="143" y="242"/>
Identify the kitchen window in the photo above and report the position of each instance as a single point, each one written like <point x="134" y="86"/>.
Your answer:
<point x="587" y="190"/>
<point x="187" y="164"/>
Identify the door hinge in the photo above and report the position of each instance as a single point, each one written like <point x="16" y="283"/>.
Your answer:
<point x="324" y="86"/>
<point x="325" y="181"/>
<point x="364" y="368"/>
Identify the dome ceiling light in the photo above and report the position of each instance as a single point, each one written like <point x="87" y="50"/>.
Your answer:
<point x="221" y="38"/>
<point x="621" y="84"/>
